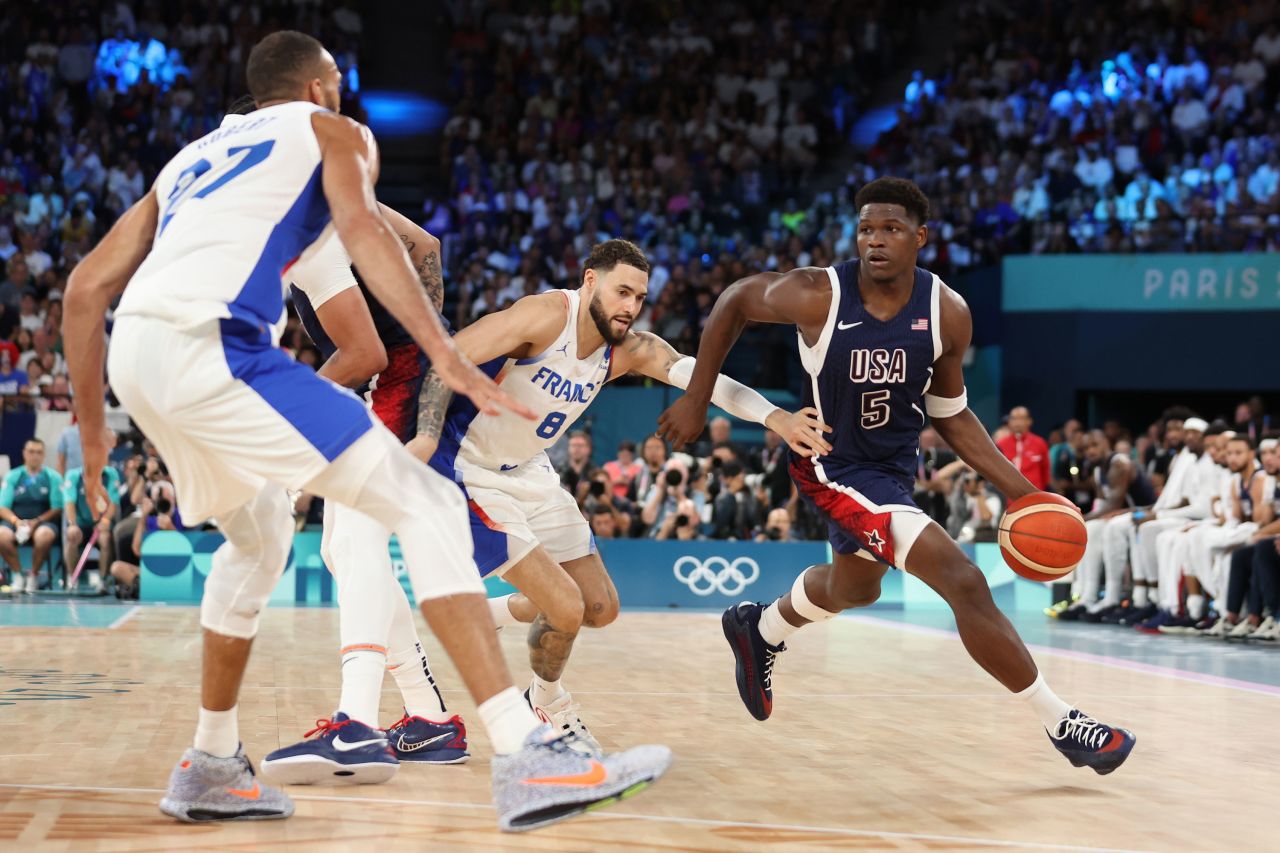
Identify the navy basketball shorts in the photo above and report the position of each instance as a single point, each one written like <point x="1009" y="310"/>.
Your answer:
<point x="394" y="396"/>
<point x="869" y="512"/>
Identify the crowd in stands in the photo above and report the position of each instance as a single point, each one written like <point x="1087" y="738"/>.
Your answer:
<point x="1139" y="127"/>
<point x="1183" y="519"/>
<point x="95" y="97"/>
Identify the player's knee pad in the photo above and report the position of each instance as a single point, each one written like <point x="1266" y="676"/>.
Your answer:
<point x="247" y="566"/>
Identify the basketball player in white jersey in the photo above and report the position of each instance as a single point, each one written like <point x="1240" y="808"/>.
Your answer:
<point x="554" y="352"/>
<point x="194" y="359"/>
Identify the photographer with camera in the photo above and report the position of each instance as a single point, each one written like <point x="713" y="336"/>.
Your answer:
<point x="602" y="496"/>
<point x="157" y="510"/>
<point x="737" y="513"/>
<point x="683" y="525"/>
<point x="777" y="527"/>
<point x="975" y="509"/>
<point x="669" y="489"/>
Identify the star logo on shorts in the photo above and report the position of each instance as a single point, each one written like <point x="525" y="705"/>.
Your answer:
<point x="874" y="540"/>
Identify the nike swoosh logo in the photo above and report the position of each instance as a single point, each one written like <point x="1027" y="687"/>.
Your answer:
<point x="342" y="746"/>
<point x="595" y="776"/>
<point x="848" y="325"/>
<point x="508" y="467"/>
<point x="405" y="746"/>
<point x="251" y="794"/>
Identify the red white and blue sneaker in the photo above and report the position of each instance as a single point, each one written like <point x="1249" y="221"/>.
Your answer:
<point x="416" y="739"/>
<point x="755" y="657"/>
<point x="346" y="752"/>
<point x="1088" y="743"/>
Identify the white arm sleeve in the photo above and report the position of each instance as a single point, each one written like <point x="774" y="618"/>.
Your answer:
<point x="946" y="407"/>
<point x="325" y="273"/>
<point x="734" y="397"/>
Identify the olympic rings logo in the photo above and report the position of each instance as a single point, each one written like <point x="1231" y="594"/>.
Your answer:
<point x="716" y="574"/>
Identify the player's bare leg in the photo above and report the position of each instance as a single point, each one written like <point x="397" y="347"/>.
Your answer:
<point x="566" y="597"/>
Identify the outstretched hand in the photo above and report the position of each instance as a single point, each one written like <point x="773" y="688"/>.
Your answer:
<point x="802" y="431"/>
<point x="463" y="377"/>
<point x="683" y="421"/>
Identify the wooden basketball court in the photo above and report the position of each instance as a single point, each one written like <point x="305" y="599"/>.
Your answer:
<point x="883" y="737"/>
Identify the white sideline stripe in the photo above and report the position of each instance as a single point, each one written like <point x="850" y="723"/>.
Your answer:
<point x="687" y="821"/>
<point x="132" y="612"/>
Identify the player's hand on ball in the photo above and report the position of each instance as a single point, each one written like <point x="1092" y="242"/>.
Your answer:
<point x="802" y="431"/>
<point x="457" y="371"/>
<point x="683" y="421"/>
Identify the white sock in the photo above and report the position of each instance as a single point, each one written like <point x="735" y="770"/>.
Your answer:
<point x="544" y="693"/>
<point x="413" y="676"/>
<point x="362" y="671"/>
<point x="1045" y="703"/>
<point x="1139" y="596"/>
<point x="217" y="732"/>
<point x="1195" y="606"/>
<point x="500" y="609"/>
<point x="773" y="628"/>
<point x="508" y="719"/>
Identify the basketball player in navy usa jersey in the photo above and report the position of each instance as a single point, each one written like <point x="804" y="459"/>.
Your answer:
<point x="882" y="342"/>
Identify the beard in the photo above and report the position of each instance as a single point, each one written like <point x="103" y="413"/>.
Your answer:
<point x="604" y="325"/>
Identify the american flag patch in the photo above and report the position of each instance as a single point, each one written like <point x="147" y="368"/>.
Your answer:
<point x="921" y="325"/>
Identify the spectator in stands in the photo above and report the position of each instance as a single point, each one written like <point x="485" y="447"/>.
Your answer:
<point x="30" y="503"/>
<point x="932" y="491"/>
<point x="975" y="509"/>
<point x="600" y="492"/>
<point x="737" y="513"/>
<point x="1027" y="451"/>
<point x="624" y="470"/>
<point x="578" y="469"/>
<point x="670" y="487"/>
<point x="79" y="521"/>
<point x="604" y="523"/>
<point x="68" y="453"/>
<point x="772" y="462"/>
<point x="681" y="524"/>
<point x="654" y="453"/>
<point x="777" y="527"/>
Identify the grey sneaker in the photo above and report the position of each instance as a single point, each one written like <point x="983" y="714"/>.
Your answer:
<point x="549" y="780"/>
<point x="203" y="788"/>
<point x="562" y="715"/>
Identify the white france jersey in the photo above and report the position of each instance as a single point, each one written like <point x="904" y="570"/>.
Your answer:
<point x="237" y="208"/>
<point x="556" y="384"/>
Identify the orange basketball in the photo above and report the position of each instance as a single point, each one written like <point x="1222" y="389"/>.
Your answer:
<point x="1042" y="536"/>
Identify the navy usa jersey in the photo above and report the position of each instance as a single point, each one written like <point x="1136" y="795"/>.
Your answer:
<point x="868" y="377"/>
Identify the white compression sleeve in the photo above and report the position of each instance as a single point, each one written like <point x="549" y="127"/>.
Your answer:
<point x="734" y="397"/>
<point x="946" y="407"/>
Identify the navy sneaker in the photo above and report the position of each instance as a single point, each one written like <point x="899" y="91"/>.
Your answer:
<point x="1138" y="615"/>
<point x="1161" y="619"/>
<point x="755" y="657"/>
<point x="415" y="739"/>
<point x="1095" y="617"/>
<point x="1115" y="615"/>
<point x="1088" y="743"/>
<point x="1183" y="624"/>
<point x="347" y="752"/>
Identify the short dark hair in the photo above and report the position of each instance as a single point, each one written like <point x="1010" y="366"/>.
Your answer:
<point x="242" y="106"/>
<point x="33" y="440"/>
<point x="731" y="469"/>
<point x="579" y="433"/>
<point x="888" y="190"/>
<point x="1244" y="436"/>
<point x="281" y="64"/>
<point x="627" y="445"/>
<point x="607" y="255"/>
<point x="601" y="509"/>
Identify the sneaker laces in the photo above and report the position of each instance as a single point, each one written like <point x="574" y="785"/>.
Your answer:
<point x="403" y="721"/>
<point x="770" y="656"/>
<point x="323" y="727"/>
<point x="1084" y="729"/>
<point x="572" y="722"/>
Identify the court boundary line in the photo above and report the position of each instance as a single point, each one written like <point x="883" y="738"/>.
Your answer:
<point x="1170" y="672"/>
<point x="125" y="617"/>
<point x="693" y="821"/>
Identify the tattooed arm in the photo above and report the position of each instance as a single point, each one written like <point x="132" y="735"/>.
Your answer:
<point x="424" y="254"/>
<point x="529" y="326"/>
<point x="647" y="354"/>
